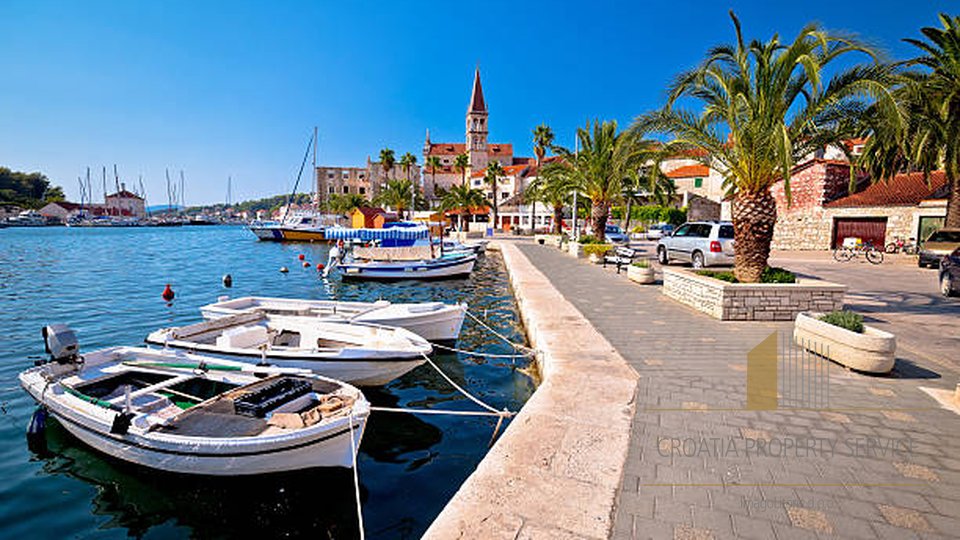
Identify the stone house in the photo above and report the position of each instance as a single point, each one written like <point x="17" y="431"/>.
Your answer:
<point x="822" y="211"/>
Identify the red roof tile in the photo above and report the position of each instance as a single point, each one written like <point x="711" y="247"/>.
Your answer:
<point x="447" y="149"/>
<point x="902" y="190"/>
<point x="689" y="171"/>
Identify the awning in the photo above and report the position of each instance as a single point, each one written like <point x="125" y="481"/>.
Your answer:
<point x="367" y="235"/>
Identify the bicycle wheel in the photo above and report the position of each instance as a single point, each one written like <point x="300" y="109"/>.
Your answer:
<point x="891" y="247"/>
<point x="874" y="255"/>
<point x="842" y="254"/>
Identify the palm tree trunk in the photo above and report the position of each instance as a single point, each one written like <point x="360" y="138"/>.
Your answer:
<point x="496" y="213"/>
<point x="754" y="215"/>
<point x="599" y="211"/>
<point x="953" y="202"/>
<point x="558" y="219"/>
<point x="626" y="220"/>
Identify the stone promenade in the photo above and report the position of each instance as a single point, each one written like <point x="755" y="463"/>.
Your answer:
<point x="856" y="456"/>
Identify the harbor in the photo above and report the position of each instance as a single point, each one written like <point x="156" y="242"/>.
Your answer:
<point x="402" y="456"/>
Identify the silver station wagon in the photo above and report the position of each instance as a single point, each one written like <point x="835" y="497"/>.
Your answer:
<point x="700" y="243"/>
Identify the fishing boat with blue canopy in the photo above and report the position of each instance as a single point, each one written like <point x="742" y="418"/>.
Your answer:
<point x="391" y="235"/>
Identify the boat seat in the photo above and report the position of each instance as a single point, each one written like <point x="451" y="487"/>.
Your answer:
<point x="243" y="337"/>
<point x="426" y="307"/>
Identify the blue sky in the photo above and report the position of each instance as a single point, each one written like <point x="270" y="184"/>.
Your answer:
<point x="222" y="89"/>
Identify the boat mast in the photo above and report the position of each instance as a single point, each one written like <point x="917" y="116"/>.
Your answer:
<point x="296" y="184"/>
<point x="143" y="193"/>
<point x="106" y="209"/>
<point x="183" y="201"/>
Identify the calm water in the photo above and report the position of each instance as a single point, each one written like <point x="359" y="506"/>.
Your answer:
<point x="106" y="284"/>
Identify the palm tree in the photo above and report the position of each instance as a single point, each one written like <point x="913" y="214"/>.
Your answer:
<point x="387" y="161"/>
<point x="605" y="157"/>
<point x="765" y="106"/>
<point x="460" y="163"/>
<point x="923" y="132"/>
<point x="553" y="186"/>
<point x="346" y="203"/>
<point x="407" y="162"/>
<point x="542" y="140"/>
<point x="494" y="172"/>
<point x="433" y="163"/>
<point x="396" y="194"/>
<point x="463" y="199"/>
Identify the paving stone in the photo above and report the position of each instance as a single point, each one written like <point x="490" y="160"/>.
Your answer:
<point x="912" y="470"/>
<point x="686" y="532"/>
<point x="813" y="520"/>
<point x="905" y="518"/>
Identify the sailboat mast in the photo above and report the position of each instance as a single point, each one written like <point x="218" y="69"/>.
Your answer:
<point x="143" y="193"/>
<point x="183" y="203"/>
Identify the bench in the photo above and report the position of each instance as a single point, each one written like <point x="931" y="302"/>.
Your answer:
<point x="621" y="257"/>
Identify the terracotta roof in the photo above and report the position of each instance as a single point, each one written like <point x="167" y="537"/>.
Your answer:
<point x="371" y="212"/>
<point x="497" y="149"/>
<point x="902" y="190"/>
<point x="476" y="97"/>
<point x="124" y="194"/>
<point x="446" y="149"/>
<point x="689" y="171"/>
<point x="509" y="170"/>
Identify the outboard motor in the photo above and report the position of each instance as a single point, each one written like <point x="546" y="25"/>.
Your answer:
<point x="61" y="343"/>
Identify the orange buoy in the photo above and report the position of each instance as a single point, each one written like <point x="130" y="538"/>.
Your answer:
<point x="306" y="264"/>
<point x="167" y="293"/>
<point x="319" y="266"/>
<point x="301" y="256"/>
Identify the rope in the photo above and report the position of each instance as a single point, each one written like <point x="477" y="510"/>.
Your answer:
<point x="516" y="346"/>
<point x="356" y="478"/>
<point x="474" y="353"/>
<point x="500" y="414"/>
<point x="460" y="389"/>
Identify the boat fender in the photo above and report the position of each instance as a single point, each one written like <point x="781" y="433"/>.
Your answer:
<point x="121" y="423"/>
<point x="227" y="280"/>
<point x="167" y="293"/>
<point x="37" y="431"/>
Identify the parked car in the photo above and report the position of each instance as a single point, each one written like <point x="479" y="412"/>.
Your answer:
<point x="937" y="246"/>
<point x="701" y="243"/>
<point x="657" y="232"/>
<point x="950" y="274"/>
<point x="616" y="235"/>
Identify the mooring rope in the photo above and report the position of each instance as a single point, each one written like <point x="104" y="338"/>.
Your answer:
<point x="439" y="411"/>
<point x="516" y="346"/>
<point x="475" y="353"/>
<point x="356" y="478"/>
<point x="461" y="390"/>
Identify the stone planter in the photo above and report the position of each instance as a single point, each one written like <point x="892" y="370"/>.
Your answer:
<point x="595" y="258"/>
<point x="751" y="301"/>
<point x="641" y="275"/>
<point x="548" y="239"/>
<point x="575" y="250"/>
<point x="873" y="351"/>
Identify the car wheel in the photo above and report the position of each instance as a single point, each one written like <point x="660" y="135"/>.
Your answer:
<point x="946" y="285"/>
<point x="921" y="264"/>
<point x="697" y="259"/>
<point x="662" y="256"/>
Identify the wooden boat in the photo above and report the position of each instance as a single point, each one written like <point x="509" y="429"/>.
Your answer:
<point x="447" y="266"/>
<point x="191" y="414"/>
<point x="362" y="354"/>
<point x="434" y="321"/>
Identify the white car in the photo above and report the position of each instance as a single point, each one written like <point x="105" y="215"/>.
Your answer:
<point x="701" y="243"/>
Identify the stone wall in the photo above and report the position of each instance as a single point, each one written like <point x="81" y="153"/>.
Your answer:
<point x="803" y="223"/>
<point x="751" y="301"/>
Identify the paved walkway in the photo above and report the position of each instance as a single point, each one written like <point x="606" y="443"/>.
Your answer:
<point x="882" y="459"/>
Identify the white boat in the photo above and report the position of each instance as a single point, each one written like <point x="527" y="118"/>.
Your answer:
<point x="447" y="266"/>
<point x="434" y="321"/>
<point x="190" y="414"/>
<point x="362" y="354"/>
<point x="27" y="218"/>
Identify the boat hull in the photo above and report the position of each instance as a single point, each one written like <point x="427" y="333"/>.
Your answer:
<point x="415" y="270"/>
<point x="285" y="234"/>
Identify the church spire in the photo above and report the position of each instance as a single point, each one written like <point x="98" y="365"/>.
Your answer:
<point x="476" y="98"/>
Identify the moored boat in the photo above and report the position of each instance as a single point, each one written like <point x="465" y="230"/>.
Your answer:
<point x="434" y="321"/>
<point x="447" y="266"/>
<point x="196" y="415"/>
<point x="363" y="354"/>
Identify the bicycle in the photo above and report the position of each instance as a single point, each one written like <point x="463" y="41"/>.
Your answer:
<point x="898" y="245"/>
<point x="854" y="247"/>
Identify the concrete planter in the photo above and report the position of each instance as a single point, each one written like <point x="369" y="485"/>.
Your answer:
<point x="873" y="351"/>
<point x="641" y="275"/>
<point x="575" y="250"/>
<point x="751" y="301"/>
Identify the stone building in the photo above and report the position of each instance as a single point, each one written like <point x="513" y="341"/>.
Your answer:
<point x="343" y="180"/>
<point x="124" y="203"/>
<point x="822" y="211"/>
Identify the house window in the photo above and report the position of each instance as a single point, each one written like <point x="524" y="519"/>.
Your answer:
<point x="697" y="182"/>
<point x="363" y="190"/>
<point x="331" y="190"/>
<point x="329" y="175"/>
<point x="346" y="189"/>
<point x="504" y="195"/>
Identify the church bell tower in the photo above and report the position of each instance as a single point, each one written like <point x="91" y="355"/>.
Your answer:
<point x="477" y="129"/>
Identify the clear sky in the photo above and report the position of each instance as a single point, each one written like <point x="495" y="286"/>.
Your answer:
<point x="234" y="88"/>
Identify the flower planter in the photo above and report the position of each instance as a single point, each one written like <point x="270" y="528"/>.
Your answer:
<point x="548" y="239"/>
<point x="751" y="301"/>
<point x="641" y="275"/>
<point x="873" y="351"/>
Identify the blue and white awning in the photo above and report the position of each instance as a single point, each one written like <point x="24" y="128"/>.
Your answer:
<point x="368" y="235"/>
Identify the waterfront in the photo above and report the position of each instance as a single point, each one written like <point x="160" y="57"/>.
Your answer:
<point x="106" y="284"/>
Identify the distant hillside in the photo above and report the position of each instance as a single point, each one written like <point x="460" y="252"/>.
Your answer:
<point x="268" y="204"/>
<point x="162" y="208"/>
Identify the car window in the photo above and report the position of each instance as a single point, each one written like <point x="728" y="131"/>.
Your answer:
<point x="945" y="236"/>
<point x="613" y="229"/>
<point x="700" y="230"/>
<point x="684" y="230"/>
<point x="726" y="231"/>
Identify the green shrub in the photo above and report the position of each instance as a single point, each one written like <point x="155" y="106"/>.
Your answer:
<point x="845" y="319"/>
<point x="641" y="264"/>
<point x="770" y="275"/>
<point x="596" y="249"/>
<point x="589" y="239"/>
